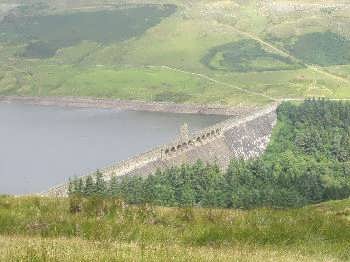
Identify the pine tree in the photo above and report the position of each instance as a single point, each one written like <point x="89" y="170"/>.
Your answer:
<point x="187" y="197"/>
<point x="79" y="188"/>
<point x="89" y="187"/>
<point x="114" y="187"/>
<point x="100" y="185"/>
<point x="71" y="186"/>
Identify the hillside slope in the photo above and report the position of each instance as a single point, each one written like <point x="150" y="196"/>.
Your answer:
<point x="206" y="52"/>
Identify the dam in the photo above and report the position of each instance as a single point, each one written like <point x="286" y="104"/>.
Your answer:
<point x="244" y="137"/>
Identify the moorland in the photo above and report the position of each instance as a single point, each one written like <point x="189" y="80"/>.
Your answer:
<point x="204" y="52"/>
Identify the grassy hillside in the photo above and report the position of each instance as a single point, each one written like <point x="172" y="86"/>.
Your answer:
<point x="43" y="229"/>
<point x="229" y="52"/>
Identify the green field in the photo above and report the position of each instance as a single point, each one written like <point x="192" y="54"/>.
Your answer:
<point x="259" y="51"/>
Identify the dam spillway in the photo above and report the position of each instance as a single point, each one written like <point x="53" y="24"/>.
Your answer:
<point x="245" y="137"/>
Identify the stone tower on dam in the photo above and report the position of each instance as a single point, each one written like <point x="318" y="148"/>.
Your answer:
<point x="238" y="137"/>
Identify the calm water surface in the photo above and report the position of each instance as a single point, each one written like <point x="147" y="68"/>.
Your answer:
<point x="44" y="146"/>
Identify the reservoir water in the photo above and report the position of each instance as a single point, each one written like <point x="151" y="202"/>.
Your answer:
<point x="44" y="146"/>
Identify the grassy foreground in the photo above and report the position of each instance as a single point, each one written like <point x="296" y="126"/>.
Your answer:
<point x="43" y="229"/>
<point x="62" y="249"/>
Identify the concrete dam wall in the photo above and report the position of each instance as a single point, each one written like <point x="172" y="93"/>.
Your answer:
<point x="246" y="137"/>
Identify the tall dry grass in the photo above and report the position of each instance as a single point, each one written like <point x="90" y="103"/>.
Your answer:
<point x="46" y="229"/>
<point x="73" y="249"/>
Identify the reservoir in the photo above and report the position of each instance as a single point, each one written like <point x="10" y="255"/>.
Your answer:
<point x="44" y="146"/>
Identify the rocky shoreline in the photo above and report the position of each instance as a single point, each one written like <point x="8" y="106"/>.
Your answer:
<point x="133" y="105"/>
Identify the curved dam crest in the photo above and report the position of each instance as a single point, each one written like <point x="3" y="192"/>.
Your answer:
<point x="246" y="137"/>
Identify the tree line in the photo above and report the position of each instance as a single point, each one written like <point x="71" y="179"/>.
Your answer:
<point x="307" y="161"/>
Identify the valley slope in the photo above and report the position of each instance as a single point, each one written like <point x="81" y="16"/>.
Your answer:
<point x="198" y="52"/>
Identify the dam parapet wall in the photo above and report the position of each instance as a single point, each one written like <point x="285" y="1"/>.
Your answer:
<point x="245" y="137"/>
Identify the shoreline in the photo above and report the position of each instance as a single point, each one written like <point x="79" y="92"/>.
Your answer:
<point x="130" y="105"/>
